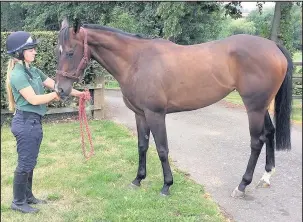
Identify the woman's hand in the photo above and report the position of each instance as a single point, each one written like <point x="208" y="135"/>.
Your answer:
<point x="77" y="93"/>
<point x="56" y="96"/>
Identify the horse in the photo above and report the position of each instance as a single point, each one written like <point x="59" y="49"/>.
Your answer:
<point x="158" y="77"/>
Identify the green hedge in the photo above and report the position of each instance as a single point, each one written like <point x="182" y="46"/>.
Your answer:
<point x="46" y="61"/>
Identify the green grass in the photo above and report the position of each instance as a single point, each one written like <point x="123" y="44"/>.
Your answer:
<point x="297" y="56"/>
<point x="235" y="98"/>
<point x="112" y="84"/>
<point x="97" y="189"/>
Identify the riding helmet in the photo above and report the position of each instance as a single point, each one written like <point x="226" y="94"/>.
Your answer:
<point x="19" y="41"/>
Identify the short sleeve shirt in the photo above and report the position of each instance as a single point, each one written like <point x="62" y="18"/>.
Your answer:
<point x="19" y="79"/>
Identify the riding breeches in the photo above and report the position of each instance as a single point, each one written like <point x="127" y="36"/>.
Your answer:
<point x="27" y="129"/>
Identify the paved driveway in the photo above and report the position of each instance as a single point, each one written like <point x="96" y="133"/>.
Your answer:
<point x="212" y="145"/>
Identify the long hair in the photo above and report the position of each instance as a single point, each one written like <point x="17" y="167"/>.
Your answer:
<point x="10" y="97"/>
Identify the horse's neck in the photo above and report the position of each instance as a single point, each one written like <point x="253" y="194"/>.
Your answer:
<point x="112" y="53"/>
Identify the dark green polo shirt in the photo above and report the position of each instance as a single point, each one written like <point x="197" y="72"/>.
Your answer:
<point x="20" y="79"/>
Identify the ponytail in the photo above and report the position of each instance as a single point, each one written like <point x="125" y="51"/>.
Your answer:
<point x="10" y="97"/>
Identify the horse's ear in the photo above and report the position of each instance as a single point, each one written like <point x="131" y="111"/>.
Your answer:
<point x="77" y="25"/>
<point x="64" y="23"/>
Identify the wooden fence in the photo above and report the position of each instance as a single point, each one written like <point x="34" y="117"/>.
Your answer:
<point x="297" y="79"/>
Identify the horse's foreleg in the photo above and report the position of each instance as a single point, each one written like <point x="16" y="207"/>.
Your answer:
<point x="269" y="134"/>
<point x="256" y="128"/>
<point x="143" y="142"/>
<point x="156" y="122"/>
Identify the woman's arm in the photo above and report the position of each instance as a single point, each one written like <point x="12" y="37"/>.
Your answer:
<point x="29" y="94"/>
<point x="49" y="83"/>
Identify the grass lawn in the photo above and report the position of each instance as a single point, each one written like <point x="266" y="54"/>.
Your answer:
<point x="97" y="189"/>
<point x="235" y="98"/>
<point x="297" y="56"/>
<point x="112" y="85"/>
<point x="298" y="69"/>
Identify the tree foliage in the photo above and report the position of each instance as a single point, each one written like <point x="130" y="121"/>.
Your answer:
<point x="262" y="21"/>
<point x="239" y="26"/>
<point x="182" y="22"/>
<point x="190" y="22"/>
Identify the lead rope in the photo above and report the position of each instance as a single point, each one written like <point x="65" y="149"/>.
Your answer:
<point x="83" y="120"/>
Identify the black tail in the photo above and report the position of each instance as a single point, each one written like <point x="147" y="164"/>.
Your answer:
<point x="283" y="106"/>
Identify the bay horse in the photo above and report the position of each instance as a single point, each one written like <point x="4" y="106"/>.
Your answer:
<point x="158" y="77"/>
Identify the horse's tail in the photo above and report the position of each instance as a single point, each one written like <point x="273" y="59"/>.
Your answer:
<point x="283" y="106"/>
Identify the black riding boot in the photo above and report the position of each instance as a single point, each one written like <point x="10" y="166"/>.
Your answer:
<point x="19" y="203"/>
<point x="31" y="199"/>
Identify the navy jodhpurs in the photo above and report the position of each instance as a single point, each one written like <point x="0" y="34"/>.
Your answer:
<point x="27" y="128"/>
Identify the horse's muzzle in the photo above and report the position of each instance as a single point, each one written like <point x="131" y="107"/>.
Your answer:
<point x="60" y="92"/>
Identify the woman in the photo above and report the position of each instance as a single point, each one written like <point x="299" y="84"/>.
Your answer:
<point x="25" y="90"/>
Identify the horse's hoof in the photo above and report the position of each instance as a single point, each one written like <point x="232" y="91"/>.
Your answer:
<point x="165" y="191"/>
<point x="237" y="193"/>
<point x="263" y="184"/>
<point x="164" y="194"/>
<point x="133" y="186"/>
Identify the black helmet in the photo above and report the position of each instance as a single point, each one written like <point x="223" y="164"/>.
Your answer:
<point x="17" y="42"/>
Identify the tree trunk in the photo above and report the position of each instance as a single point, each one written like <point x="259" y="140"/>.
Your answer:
<point x="275" y="30"/>
<point x="275" y="27"/>
<point x="281" y="29"/>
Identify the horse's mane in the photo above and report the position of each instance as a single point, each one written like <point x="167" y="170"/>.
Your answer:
<point x="105" y="28"/>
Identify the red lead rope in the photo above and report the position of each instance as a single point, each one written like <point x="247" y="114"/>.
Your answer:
<point x="83" y="120"/>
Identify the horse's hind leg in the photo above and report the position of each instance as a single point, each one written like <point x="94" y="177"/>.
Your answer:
<point x="256" y="128"/>
<point x="143" y="142"/>
<point x="269" y="133"/>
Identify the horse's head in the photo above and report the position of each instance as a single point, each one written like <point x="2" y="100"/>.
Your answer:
<point x="72" y="55"/>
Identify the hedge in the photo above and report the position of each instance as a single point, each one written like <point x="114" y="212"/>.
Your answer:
<point x="46" y="61"/>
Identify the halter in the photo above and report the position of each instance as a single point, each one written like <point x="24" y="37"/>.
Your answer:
<point x="84" y="60"/>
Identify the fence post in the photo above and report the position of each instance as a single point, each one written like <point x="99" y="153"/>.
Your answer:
<point x="99" y="97"/>
<point x="271" y="107"/>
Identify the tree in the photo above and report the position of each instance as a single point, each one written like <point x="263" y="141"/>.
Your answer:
<point x="239" y="26"/>
<point x="190" y="22"/>
<point x="48" y="15"/>
<point x="123" y="20"/>
<point x="12" y="16"/>
<point x="262" y="22"/>
<point x="183" y="22"/>
<point x="282" y="29"/>
<point x="297" y="27"/>
<point x="147" y="20"/>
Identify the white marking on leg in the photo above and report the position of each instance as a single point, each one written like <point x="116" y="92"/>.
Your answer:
<point x="266" y="176"/>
